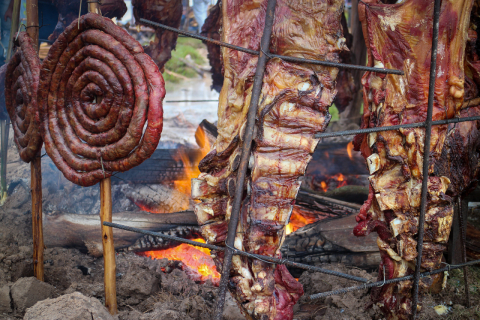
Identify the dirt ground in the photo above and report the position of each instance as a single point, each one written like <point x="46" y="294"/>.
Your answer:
<point x="149" y="289"/>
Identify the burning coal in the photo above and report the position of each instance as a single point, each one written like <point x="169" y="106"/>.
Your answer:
<point x="196" y="261"/>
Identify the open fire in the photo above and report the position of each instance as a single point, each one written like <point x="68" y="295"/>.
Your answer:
<point x="196" y="261"/>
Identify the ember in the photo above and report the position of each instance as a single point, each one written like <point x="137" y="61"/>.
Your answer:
<point x="333" y="182"/>
<point x="196" y="261"/>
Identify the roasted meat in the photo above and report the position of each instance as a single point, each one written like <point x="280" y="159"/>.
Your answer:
<point x="211" y="29"/>
<point x="100" y="99"/>
<point x="399" y="36"/>
<point x="293" y="107"/>
<point x="21" y="87"/>
<point x="68" y="11"/>
<point x="167" y="12"/>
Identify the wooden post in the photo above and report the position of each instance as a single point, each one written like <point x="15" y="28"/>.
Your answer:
<point x="107" y="232"/>
<point x="36" y="164"/>
<point x="108" y="247"/>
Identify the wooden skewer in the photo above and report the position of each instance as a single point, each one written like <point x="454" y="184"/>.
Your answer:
<point x="110" y="272"/>
<point x="36" y="164"/>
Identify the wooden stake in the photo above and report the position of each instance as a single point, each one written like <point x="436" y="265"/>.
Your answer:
<point x="107" y="232"/>
<point x="36" y="164"/>
<point x="37" y="226"/>
<point x="108" y="247"/>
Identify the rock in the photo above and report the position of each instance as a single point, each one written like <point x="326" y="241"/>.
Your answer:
<point x="74" y="306"/>
<point x="138" y="284"/>
<point x="28" y="291"/>
<point x="5" y="301"/>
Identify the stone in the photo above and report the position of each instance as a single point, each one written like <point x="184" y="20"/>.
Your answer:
<point x="28" y="291"/>
<point x="5" y="300"/>
<point x="73" y="306"/>
<point x="138" y="284"/>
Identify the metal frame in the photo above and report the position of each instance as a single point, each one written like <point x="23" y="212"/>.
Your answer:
<point x="246" y="149"/>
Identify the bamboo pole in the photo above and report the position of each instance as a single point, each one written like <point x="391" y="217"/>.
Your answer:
<point x="107" y="232"/>
<point x="5" y="124"/>
<point x="36" y="164"/>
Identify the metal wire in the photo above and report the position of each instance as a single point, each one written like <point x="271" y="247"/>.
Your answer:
<point x="378" y="283"/>
<point x="238" y="252"/>
<point x="396" y="127"/>
<point x="270" y="55"/>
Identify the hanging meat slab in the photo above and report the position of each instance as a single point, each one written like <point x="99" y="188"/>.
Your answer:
<point x="211" y="29"/>
<point x="399" y="36"/>
<point x="100" y="100"/>
<point x="166" y="12"/>
<point x="21" y="87"/>
<point x="293" y="107"/>
<point x="68" y="11"/>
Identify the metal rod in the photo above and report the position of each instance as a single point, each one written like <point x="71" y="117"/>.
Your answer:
<point x="426" y="155"/>
<point x="238" y="252"/>
<point x="178" y="101"/>
<point x="463" y="240"/>
<point x="246" y="149"/>
<point x="285" y="58"/>
<point x="380" y="283"/>
<point x="396" y="127"/>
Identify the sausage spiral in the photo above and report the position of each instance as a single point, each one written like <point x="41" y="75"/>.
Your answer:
<point x="86" y="138"/>
<point x="21" y="86"/>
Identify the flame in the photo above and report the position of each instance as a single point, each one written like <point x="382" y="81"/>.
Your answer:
<point x="298" y="220"/>
<point x="324" y="186"/>
<point x="350" y="149"/>
<point x="197" y="259"/>
<point x="191" y="167"/>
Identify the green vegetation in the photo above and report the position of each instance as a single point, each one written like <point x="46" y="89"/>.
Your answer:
<point x="185" y="46"/>
<point x="334" y="112"/>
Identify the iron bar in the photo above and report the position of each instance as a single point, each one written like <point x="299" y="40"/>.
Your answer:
<point x="246" y="149"/>
<point x="238" y="252"/>
<point x="396" y="127"/>
<point x="382" y="282"/>
<point x="463" y="243"/>
<point x="426" y="155"/>
<point x="285" y="58"/>
<point x="178" y="101"/>
<point x="332" y="201"/>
